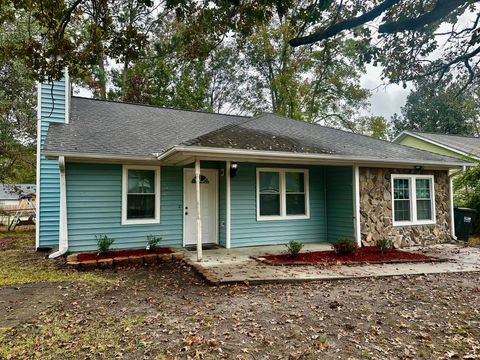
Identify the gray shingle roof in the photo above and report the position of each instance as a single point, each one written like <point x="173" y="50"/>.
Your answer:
<point x="108" y="127"/>
<point x="104" y="127"/>
<point x="277" y="133"/>
<point x="466" y="144"/>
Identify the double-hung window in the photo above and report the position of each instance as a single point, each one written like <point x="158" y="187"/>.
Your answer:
<point x="140" y="194"/>
<point x="282" y="194"/>
<point x="413" y="200"/>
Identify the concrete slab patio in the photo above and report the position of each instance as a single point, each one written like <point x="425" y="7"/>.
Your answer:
<point x="225" y="266"/>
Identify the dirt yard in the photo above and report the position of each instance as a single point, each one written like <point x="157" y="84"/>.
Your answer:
<point x="47" y="311"/>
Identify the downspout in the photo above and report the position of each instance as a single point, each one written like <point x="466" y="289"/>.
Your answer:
<point x="452" y="215"/>
<point x="63" y="231"/>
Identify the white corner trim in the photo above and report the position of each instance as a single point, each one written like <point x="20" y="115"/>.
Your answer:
<point x="228" y="205"/>
<point x="283" y="194"/>
<point x="156" y="219"/>
<point x="413" y="200"/>
<point x="37" y="180"/>
<point x="356" y="197"/>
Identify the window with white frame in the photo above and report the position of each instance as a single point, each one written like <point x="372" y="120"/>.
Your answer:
<point x="140" y="194"/>
<point x="282" y="194"/>
<point x="413" y="200"/>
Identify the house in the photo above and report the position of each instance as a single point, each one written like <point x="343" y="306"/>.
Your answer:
<point x="193" y="178"/>
<point x="461" y="147"/>
<point x="10" y="194"/>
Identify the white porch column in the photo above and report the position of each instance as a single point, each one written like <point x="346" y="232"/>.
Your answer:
<point x="199" y="217"/>
<point x="228" y="205"/>
<point x="356" y="197"/>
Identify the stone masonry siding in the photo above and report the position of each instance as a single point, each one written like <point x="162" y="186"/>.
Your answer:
<point x="376" y="210"/>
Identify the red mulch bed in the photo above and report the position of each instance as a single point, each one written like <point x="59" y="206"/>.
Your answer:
<point x="121" y="253"/>
<point x="364" y="255"/>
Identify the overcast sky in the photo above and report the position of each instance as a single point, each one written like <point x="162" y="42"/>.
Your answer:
<point x="386" y="99"/>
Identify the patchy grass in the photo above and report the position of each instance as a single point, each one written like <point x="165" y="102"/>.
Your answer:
<point x="169" y="312"/>
<point x="67" y="337"/>
<point x="20" y="263"/>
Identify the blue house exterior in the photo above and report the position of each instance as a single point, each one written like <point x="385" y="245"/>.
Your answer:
<point x="128" y="171"/>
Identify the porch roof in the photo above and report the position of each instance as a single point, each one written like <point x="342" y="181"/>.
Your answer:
<point x="105" y="129"/>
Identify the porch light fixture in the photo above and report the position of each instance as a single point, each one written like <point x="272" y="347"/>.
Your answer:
<point x="418" y="168"/>
<point x="233" y="169"/>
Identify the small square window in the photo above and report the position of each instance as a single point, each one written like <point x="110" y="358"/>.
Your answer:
<point x="141" y="193"/>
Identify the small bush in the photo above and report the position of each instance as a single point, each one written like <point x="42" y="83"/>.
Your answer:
<point x="153" y="242"/>
<point x="344" y="246"/>
<point x="294" y="247"/>
<point x="103" y="243"/>
<point x="384" y="244"/>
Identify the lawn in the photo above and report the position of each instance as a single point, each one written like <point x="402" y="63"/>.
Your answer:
<point x="169" y="312"/>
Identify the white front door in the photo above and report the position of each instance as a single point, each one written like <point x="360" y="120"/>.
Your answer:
<point x="208" y="203"/>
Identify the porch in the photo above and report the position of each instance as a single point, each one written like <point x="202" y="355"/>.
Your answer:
<point x="244" y="204"/>
<point x="229" y="266"/>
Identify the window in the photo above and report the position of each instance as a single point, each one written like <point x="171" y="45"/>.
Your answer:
<point x="140" y="195"/>
<point x="282" y="194"/>
<point x="203" y="180"/>
<point x="413" y="200"/>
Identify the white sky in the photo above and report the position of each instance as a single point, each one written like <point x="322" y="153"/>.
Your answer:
<point x="386" y="99"/>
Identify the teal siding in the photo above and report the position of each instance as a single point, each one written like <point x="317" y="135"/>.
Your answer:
<point x="94" y="208"/>
<point x="52" y="111"/>
<point x="94" y="194"/>
<point x="247" y="231"/>
<point x="339" y="198"/>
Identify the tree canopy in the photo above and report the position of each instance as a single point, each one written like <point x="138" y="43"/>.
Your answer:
<point x="435" y="106"/>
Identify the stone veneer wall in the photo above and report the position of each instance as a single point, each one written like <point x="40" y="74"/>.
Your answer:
<point x="376" y="210"/>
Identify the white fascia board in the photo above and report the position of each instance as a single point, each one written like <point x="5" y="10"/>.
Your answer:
<point x="300" y="156"/>
<point x="74" y="155"/>
<point x="252" y="154"/>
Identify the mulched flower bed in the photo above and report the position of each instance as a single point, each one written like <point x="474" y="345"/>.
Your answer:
<point x="121" y="253"/>
<point x="364" y="255"/>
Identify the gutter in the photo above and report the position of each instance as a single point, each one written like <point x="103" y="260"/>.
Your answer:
<point x="199" y="150"/>
<point x="63" y="230"/>
<point x="288" y="155"/>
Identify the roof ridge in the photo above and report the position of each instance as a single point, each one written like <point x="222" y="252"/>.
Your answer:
<point x="160" y="107"/>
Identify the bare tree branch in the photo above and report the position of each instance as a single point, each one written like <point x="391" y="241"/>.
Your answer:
<point x="344" y="25"/>
<point x="441" y="9"/>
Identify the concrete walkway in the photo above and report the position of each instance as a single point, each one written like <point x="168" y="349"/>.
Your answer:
<point x="224" y="266"/>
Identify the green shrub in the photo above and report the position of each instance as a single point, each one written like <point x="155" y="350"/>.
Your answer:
<point x="103" y="243"/>
<point x="344" y="246"/>
<point x="153" y="242"/>
<point x="294" y="247"/>
<point x="384" y="244"/>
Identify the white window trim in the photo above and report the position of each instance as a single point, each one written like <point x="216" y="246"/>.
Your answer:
<point x="413" y="199"/>
<point x="155" y="220"/>
<point x="283" y="195"/>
